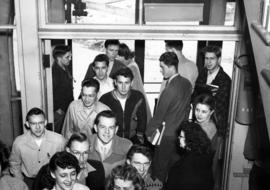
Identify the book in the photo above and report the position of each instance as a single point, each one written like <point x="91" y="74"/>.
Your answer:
<point x="157" y="136"/>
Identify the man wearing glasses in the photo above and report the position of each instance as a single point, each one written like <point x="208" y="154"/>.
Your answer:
<point x="33" y="149"/>
<point x="92" y="171"/>
<point x="81" y="113"/>
<point x="140" y="157"/>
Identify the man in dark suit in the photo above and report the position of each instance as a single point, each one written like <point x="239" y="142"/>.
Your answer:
<point x="172" y="108"/>
<point x="212" y="79"/>
<point x="112" y="47"/>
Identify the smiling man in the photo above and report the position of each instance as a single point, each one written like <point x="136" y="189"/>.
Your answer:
<point x="129" y="106"/>
<point x="81" y="113"/>
<point x="106" y="146"/>
<point x="33" y="149"/>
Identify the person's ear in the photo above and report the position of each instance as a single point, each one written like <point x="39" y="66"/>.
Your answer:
<point x="27" y="125"/>
<point x="95" y="127"/>
<point x="52" y="174"/>
<point x="116" y="129"/>
<point x="68" y="149"/>
<point x="45" y="122"/>
<point x="128" y="161"/>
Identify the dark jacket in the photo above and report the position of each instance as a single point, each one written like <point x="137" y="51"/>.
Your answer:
<point x="116" y="66"/>
<point x="96" y="179"/>
<point x="222" y="96"/>
<point x="193" y="171"/>
<point x="134" y="118"/>
<point x="62" y="88"/>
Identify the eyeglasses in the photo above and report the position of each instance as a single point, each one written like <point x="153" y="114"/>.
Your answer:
<point x="36" y="123"/>
<point x="139" y="164"/>
<point x="79" y="154"/>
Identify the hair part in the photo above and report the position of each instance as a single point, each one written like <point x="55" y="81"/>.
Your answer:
<point x="91" y="82"/>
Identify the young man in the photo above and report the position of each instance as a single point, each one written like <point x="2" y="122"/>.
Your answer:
<point x="172" y="108"/>
<point x="129" y="106"/>
<point x="92" y="172"/>
<point x="33" y="149"/>
<point x="186" y="68"/>
<point x="213" y="74"/>
<point x="112" y="47"/>
<point x="125" y="177"/>
<point x="106" y="146"/>
<point x="140" y="157"/>
<point x="81" y="113"/>
<point x="62" y="84"/>
<point x="100" y="67"/>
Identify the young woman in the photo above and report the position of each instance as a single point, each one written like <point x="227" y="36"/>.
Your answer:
<point x="64" y="168"/>
<point x="194" y="169"/>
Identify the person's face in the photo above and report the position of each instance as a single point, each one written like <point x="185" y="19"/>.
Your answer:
<point x="165" y="70"/>
<point x="211" y="61"/>
<point x="112" y="51"/>
<point x="37" y="124"/>
<point x="123" y="86"/>
<point x="64" y="178"/>
<point x="203" y="113"/>
<point x="120" y="184"/>
<point x="106" y="129"/>
<point x="141" y="163"/>
<point x="182" y="139"/>
<point x="65" y="59"/>
<point x="89" y="96"/>
<point x="101" y="69"/>
<point x="80" y="150"/>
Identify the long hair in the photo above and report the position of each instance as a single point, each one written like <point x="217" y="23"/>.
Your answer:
<point x="195" y="138"/>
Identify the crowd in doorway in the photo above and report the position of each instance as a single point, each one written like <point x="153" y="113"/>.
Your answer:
<point x="107" y="139"/>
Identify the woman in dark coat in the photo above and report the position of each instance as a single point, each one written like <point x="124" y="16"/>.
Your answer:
<point x="194" y="170"/>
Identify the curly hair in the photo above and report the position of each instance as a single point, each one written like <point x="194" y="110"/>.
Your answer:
<point x="195" y="137"/>
<point x="127" y="173"/>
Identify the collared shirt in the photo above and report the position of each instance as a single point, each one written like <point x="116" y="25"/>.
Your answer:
<point x="211" y="76"/>
<point x="105" y="86"/>
<point x="27" y="157"/>
<point x="103" y="149"/>
<point x="78" y="118"/>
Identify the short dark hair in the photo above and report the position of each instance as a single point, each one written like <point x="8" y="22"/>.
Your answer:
<point x="64" y="160"/>
<point x="60" y="50"/>
<point x="177" y="44"/>
<point x="80" y="137"/>
<point x="107" y="114"/>
<point x="34" y="111"/>
<point x="146" y="151"/>
<point x="212" y="49"/>
<point x="126" y="173"/>
<point x="91" y="82"/>
<point x="125" y="72"/>
<point x="111" y="42"/>
<point x="206" y="99"/>
<point x="169" y="59"/>
<point x="125" y="52"/>
<point x="101" y="58"/>
<point x="4" y="156"/>
<point x="195" y="137"/>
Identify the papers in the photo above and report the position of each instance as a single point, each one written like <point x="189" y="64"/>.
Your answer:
<point x="157" y="136"/>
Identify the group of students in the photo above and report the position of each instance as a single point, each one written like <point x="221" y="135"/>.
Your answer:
<point x="109" y="129"/>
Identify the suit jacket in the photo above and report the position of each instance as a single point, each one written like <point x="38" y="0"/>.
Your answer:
<point x="222" y="96"/>
<point x="192" y="171"/>
<point x="116" y="66"/>
<point x="172" y="108"/>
